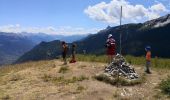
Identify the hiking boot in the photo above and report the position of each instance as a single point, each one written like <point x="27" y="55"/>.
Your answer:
<point x="65" y="63"/>
<point x="73" y="61"/>
<point x="148" y="72"/>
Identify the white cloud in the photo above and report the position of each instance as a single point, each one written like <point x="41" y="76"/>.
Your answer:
<point x="152" y="15"/>
<point x="64" y="30"/>
<point x="50" y="28"/>
<point x="158" y="8"/>
<point x="110" y="12"/>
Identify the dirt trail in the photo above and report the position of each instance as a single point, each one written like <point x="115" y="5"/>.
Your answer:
<point x="28" y="84"/>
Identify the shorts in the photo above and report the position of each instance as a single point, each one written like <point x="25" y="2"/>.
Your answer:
<point x="63" y="54"/>
<point x="111" y="52"/>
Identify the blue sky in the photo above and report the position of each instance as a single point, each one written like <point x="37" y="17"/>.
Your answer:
<point x="74" y="16"/>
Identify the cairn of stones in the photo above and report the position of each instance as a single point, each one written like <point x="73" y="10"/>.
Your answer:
<point x="119" y="66"/>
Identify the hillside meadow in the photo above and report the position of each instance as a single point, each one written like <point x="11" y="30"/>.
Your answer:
<point x="50" y="80"/>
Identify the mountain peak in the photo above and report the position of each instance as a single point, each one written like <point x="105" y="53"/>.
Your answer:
<point x="108" y="27"/>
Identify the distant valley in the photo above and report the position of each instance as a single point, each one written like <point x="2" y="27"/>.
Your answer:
<point x="13" y="45"/>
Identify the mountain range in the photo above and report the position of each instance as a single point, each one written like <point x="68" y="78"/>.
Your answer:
<point x="13" y="45"/>
<point x="135" y="37"/>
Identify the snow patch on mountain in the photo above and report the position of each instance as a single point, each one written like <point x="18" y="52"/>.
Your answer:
<point x="155" y="23"/>
<point x="161" y="24"/>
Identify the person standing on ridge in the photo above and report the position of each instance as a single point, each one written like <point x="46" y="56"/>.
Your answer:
<point x="148" y="59"/>
<point x="73" y="53"/>
<point x="64" y="52"/>
<point x="111" y="46"/>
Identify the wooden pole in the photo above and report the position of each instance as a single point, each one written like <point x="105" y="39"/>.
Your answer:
<point x="120" y="31"/>
<point x="120" y="54"/>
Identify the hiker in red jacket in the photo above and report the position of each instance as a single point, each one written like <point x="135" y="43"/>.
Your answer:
<point x="111" y="46"/>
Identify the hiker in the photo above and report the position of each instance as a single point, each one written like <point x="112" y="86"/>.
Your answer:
<point x="73" y="53"/>
<point x="64" y="52"/>
<point x="84" y="52"/>
<point x="111" y="46"/>
<point x="148" y="59"/>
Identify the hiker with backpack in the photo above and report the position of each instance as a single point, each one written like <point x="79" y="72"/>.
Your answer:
<point x="64" y="52"/>
<point x="148" y="59"/>
<point x="111" y="46"/>
<point x="73" y="53"/>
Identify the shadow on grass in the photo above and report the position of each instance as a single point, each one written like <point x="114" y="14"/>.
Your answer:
<point x="120" y="81"/>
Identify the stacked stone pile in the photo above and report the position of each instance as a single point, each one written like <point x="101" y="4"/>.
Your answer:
<point x="119" y="66"/>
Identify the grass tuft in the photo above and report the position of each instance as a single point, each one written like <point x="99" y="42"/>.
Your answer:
<point x="63" y="80"/>
<point x="80" y="88"/>
<point x="63" y="69"/>
<point x="46" y="78"/>
<point x="6" y="97"/>
<point x="165" y="86"/>
<point x="15" y="77"/>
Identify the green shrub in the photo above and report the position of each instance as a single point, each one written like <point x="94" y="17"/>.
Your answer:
<point x="165" y="86"/>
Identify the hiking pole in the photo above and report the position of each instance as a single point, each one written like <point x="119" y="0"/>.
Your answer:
<point x="120" y="47"/>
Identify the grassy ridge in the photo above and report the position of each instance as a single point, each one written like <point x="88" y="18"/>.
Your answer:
<point x="156" y="62"/>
